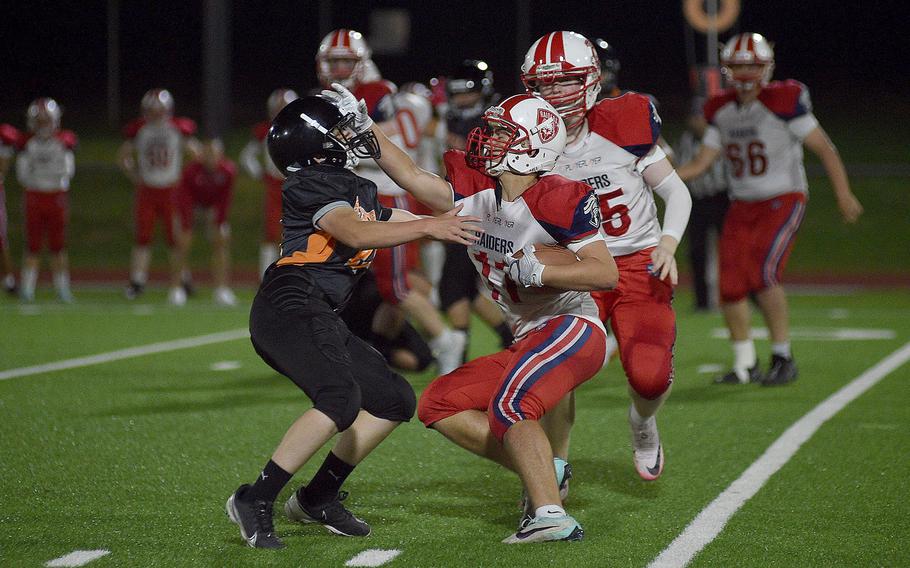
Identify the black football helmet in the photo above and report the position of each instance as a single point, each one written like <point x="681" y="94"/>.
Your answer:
<point x="311" y="130"/>
<point x="469" y="76"/>
<point x="609" y="67"/>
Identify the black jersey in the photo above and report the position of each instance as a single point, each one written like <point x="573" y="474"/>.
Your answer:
<point x="306" y="196"/>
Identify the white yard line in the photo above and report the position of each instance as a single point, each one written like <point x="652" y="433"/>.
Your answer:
<point x="373" y="557"/>
<point x="77" y="558"/>
<point x="708" y="524"/>
<point x="128" y="353"/>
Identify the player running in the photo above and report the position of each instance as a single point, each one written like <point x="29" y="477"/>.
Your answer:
<point x="761" y="127"/>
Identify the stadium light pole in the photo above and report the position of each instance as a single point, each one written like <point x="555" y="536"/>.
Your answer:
<point x="216" y="48"/>
<point x="113" y="62"/>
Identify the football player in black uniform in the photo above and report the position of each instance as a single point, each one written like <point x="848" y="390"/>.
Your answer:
<point x="331" y="220"/>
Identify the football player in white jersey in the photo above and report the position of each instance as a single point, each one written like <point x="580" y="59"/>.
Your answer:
<point x="761" y="127"/>
<point x="152" y="157"/>
<point x="45" y="165"/>
<point x="492" y="406"/>
<point x="612" y="146"/>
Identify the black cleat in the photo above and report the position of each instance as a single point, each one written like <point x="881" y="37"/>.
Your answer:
<point x="133" y="290"/>
<point x="254" y="519"/>
<point x="188" y="287"/>
<point x="781" y="372"/>
<point x="733" y="378"/>
<point x="332" y="515"/>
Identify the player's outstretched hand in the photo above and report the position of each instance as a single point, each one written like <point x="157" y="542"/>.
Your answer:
<point x="451" y="227"/>
<point x="850" y="208"/>
<point x="527" y="270"/>
<point x="663" y="264"/>
<point x="347" y="103"/>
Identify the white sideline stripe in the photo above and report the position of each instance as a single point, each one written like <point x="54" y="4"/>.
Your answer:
<point x="128" y="353"/>
<point x="708" y="524"/>
<point x="77" y="558"/>
<point x="373" y="557"/>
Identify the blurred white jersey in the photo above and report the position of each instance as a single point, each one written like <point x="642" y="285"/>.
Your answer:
<point x="412" y="115"/>
<point x="47" y="164"/>
<point x="159" y="149"/>
<point x="555" y="210"/>
<point x="255" y="159"/>
<point x="762" y="140"/>
<point x="618" y="141"/>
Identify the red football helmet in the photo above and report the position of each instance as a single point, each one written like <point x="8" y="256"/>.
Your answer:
<point x="279" y="99"/>
<point x="523" y="134"/>
<point x="343" y="57"/>
<point x="43" y="116"/>
<point x="747" y="60"/>
<point x="157" y="103"/>
<point x="563" y="68"/>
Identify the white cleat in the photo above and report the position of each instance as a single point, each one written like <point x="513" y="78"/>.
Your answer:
<point x="224" y="296"/>
<point x="647" y="451"/>
<point x="177" y="297"/>
<point x="449" y="350"/>
<point x="545" y="529"/>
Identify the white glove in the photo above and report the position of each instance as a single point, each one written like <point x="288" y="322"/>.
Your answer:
<point x="527" y="270"/>
<point x="348" y="104"/>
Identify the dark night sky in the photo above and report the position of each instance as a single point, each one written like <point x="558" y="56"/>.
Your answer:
<point x="844" y="51"/>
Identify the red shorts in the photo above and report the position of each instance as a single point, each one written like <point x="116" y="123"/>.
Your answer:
<point x="272" y="221"/>
<point x="4" y="221"/>
<point x="522" y="382"/>
<point x="756" y="242"/>
<point x="640" y="313"/>
<point x="152" y="203"/>
<point x="186" y="204"/>
<point x="46" y="213"/>
<point x="391" y="265"/>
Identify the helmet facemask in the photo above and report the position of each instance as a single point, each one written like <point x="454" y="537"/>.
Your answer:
<point x="363" y="145"/>
<point x="746" y="76"/>
<point x="572" y="104"/>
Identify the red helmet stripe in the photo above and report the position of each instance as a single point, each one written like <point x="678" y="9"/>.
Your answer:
<point x="557" y="49"/>
<point x="336" y="39"/>
<point x="751" y="46"/>
<point x="739" y="43"/>
<point x="540" y="54"/>
<point x="508" y="104"/>
<point x="346" y="38"/>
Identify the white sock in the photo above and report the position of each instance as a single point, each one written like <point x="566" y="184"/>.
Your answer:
<point x="29" y="280"/>
<point x="62" y="281"/>
<point x="782" y="349"/>
<point x="139" y="277"/>
<point x="549" y="511"/>
<point x="637" y="419"/>
<point x="268" y="253"/>
<point x="9" y="280"/>
<point x="744" y="357"/>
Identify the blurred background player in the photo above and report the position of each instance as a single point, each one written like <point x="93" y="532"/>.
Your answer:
<point x="207" y="187"/>
<point x="469" y="92"/>
<point x="612" y="146"/>
<point x="9" y="139"/>
<point x="343" y="57"/>
<point x="762" y="126"/>
<point x="44" y="166"/>
<point x="709" y="205"/>
<point x="255" y="161"/>
<point x="151" y="157"/>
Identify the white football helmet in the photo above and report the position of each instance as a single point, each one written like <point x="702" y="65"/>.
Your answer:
<point x="157" y="103"/>
<point x="342" y="58"/>
<point x="523" y="134"/>
<point x="43" y="116"/>
<point x="747" y="49"/>
<point x="560" y="56"/>
<point x="279" y="99"/>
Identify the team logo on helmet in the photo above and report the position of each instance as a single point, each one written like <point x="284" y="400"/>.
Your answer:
<point x="547" y="125"/>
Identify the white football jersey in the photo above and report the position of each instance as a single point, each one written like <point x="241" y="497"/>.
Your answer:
<point x="255" y="159"/>
<point x="159" y="149"/>
<point x="762" y="140"/>
<point x="554" y="210"/>
<point x="619" y="141"/>
<point x="47" y="164"/>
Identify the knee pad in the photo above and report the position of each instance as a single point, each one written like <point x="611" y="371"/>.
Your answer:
<point x="397" y="402"/>
<point x="340" y="403"/>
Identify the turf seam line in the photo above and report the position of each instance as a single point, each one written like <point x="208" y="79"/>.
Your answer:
<point x="128" y="353"/>
<point x="712" y="519"/>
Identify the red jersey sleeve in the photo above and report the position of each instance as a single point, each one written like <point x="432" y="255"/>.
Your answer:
<point x="132" y="128"/>
<point x="465" y="181"/>
<point x="629" y="121"/>
<point x="567" y="209"/>
<point x="261" y="130"/>
<point x="9" y="135"/>
<point x="787" y="99"/>
<point x="378" y="97"/>
<point x="186" y="126"/>
<point x="230" y="170"/>
<point x="715" y="103"/>
<point x="68" y="137"/>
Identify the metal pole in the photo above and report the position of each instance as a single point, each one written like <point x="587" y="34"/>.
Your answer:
<point x="712" y="35"/>
<point x="113" y="62"/>
<point x="216" y="92"/>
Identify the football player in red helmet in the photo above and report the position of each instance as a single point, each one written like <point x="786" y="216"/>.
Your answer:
<point x="761" y="126"/>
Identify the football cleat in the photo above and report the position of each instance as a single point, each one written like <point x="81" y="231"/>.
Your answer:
<point x="738" y="377"/>
<point x="224" y="296"/>
<point x="448" y="348"/>
<point x="647" y="451"/>
<point x="544" y="529"/>
<point x="133" y="290"/>
<point x="254" y="519"/>
<point x="781" y="372"/>
<point x="563" y="475"/>
<point x="177" y="296"/>
<point x="332" y="515"/>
